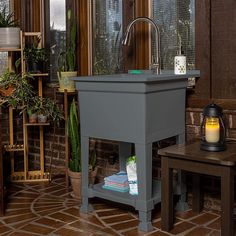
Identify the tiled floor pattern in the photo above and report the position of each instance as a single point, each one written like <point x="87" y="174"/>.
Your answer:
<point x="48" y="209"/>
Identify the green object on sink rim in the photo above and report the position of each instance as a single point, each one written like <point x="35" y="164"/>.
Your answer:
<point x="135" y="72"/>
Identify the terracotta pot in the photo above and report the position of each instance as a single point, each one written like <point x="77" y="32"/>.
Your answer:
<point x="33" y="118"/>
<point x="75" y="179"/>
<point x="6" y="92"/>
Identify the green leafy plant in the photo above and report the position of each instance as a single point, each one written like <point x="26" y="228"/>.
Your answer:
<point x="73" y="133"/>
<point x="45" y="106"/>
<point x="22" y="90"/>
<point x="67" y="59"/>
<point x="35" y="54"/>
<point x="7" y="18"/>
<point x="23" y="96"/>
<point x="74" y="136"/>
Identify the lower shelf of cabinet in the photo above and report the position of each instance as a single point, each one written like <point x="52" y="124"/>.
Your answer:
<point x="32" y="176"/>
<point x="98" y="191"/>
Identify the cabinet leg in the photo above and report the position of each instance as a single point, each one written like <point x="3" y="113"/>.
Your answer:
<point x="85" y="207"/>
<point x="124" y="153"/>
<point x="144" y="174"/>
<point x="145" y="221"/>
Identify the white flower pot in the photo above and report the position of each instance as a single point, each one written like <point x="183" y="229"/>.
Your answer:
<point x="42" y="118"/>
<point x="10" y="37"/>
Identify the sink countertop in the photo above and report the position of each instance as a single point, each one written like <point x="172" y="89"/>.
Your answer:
<point x="137" y="78"/>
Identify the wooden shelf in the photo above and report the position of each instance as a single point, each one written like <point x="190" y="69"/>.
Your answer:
<point x="33" y="176"/>
<point x="69" y="93"/>
<point x="14" y="148"/>
<point x="10" y="49"/>
<point x="40" y="75"/>
<point x="32" y="34"/>
<point x="25" y="174"/>
<point x="37" y="124"/>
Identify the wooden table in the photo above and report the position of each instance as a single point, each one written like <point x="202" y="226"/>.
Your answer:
<point x="189" y="157"/>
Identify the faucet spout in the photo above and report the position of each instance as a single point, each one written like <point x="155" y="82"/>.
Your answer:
<point x="126" y="39"/>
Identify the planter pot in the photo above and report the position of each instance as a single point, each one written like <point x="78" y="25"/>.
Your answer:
<point x="10" y="37"/>
<point x="42" y="118"/>
<point x="6" y="92"/>
<point x="35" y="67"/>
<point x="75" y="179"/>
<point x="64" y="81"/>
<point x="33" y="118"/>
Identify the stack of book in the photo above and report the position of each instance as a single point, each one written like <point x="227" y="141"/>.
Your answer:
<point x="117" y="182"/>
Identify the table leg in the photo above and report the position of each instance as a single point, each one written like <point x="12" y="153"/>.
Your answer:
<point x="227" y="201"/>
<point x="124" y="153"/>
<point x="197" y="195"/>
<point x="182" y="204"/>
<point x="167" y="216"/>
<point x="85" y="206"/>
<point x="144" y="174"/>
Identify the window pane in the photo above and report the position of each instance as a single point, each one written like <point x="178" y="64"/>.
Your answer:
<point x="57" y="33"/>
<point x="107" y="33"/>
<point x="176" y="19"/>
<point x="3" y="55"/>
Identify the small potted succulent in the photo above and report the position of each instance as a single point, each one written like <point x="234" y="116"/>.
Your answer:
<point x="9" y="32"/>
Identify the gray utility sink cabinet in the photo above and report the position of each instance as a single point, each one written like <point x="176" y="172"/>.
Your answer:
<point x="131" y="108"/>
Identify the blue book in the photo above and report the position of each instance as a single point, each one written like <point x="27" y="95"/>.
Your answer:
<point x="116" y="189"/>
<point x="120" y="177"/>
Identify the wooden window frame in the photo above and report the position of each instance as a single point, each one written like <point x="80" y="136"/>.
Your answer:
<point x="204" y="91"/>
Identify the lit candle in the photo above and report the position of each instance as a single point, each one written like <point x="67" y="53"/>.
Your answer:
<point x="212" y="130"/>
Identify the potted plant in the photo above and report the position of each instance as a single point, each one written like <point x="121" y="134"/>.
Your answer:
<point x="36" y="59"/>
<point x="74" y="170"/>
<point x="43" y="109"/>
<point x="49" y="110"/>
<point x="67" y="59"/>
<point x="32" y="109"/>
<point x="9" y="32"/>
<point x="15" y="88"/>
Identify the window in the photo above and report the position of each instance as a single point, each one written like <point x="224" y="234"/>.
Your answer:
<point x="107" y="33"/>
<point x="57" y="34"/>
<point x="176" y="19"/>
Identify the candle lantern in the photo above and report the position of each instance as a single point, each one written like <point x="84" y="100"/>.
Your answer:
<point x="213" y="129"/>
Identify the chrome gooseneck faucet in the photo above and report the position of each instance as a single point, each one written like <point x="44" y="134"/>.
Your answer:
<point x="126" y="39"/>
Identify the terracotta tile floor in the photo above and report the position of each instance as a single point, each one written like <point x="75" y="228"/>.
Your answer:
<point x="48" y="209"/>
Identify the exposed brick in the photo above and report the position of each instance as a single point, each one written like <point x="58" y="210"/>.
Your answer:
<point x="62" y="140"/>
<point x="231" y="133"/>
